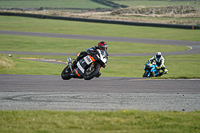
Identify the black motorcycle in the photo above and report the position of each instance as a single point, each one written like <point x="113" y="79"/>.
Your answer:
<point x="87" y="67"/>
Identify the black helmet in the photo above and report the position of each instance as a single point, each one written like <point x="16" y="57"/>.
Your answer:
<point x="103" y="45"/>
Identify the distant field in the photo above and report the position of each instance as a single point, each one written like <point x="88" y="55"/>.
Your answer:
<point x="51" y="3"/>
<point x="81" y="6"/>
<point x="90" y="4"/>
<point x="183" y="19"/>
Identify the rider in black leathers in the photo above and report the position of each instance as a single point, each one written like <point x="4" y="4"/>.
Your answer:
<point x="101" y="45"/>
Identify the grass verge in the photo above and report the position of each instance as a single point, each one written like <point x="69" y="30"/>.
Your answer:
<point x="32" y="67"/>
<point x="99" y="121"/>
<point x="132" y="66"/>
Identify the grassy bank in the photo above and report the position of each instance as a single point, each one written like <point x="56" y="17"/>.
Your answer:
<point x="6" y="62"/>
<point x="99" y="121"/>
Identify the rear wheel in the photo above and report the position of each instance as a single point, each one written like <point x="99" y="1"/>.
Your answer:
<point x="92" y="71"/>
<point x="66" y="73"/>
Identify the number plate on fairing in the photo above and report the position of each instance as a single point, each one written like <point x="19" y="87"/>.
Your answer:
<point x="87" y="59"/>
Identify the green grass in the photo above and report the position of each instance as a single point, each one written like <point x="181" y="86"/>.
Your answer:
<point x="96" y="29"/>
<point x="60" y="45"/>
<point x="116" y="66"/>
<point x="132" y="66"/>
<point x="89" y="3"/>
<point x="99" y="121"/>
<point x="94" y="121"/>
<point x="51" y="3"/>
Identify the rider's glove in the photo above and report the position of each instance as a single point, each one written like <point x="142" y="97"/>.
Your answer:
<point x="94" y="48"/>
<point x="90" y="51"/>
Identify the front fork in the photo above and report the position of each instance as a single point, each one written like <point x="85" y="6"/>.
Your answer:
<point x="153" y="73"/>
<point x="90" y="68"/>
<point x="70" y="63"/>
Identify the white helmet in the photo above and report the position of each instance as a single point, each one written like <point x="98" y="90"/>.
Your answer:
<point x="158" y="55"/>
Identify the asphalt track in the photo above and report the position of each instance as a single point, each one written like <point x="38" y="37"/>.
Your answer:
<point x="105" y="93"/>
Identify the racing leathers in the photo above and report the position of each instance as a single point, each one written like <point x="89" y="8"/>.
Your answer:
<point x="160" y="63"/>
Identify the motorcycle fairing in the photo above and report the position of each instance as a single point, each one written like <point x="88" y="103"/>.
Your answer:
<point x="103" y="55"/>
<point x="151" y="69"/>
<point x="89" y="59"/>
<point x="84" y="63"/>
<point x="78" y="73"/>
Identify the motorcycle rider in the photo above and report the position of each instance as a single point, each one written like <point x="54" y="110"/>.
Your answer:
<point x="159" y="59"/>
<point x="101" y="45"/>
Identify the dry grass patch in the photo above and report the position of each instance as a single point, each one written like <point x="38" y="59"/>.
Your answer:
<point x="177" y="14"/>
<point x="6" y="62"/>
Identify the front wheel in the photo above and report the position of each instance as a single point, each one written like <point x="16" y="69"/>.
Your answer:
<point x="92" y="71"/>
<point x="66" y="73"/>
<point x="145" y="74"/>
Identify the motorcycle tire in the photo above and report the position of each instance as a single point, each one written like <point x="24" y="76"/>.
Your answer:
<point x="145" y="74"/>
<point x="93" y="74"/>
<point x="66" y="73"/>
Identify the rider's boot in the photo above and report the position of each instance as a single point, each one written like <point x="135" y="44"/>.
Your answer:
<point x="165" y="71"/>
<point x="76" y="60"/>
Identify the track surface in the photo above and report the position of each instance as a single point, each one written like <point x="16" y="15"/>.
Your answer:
<point x="104" y="93"/>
